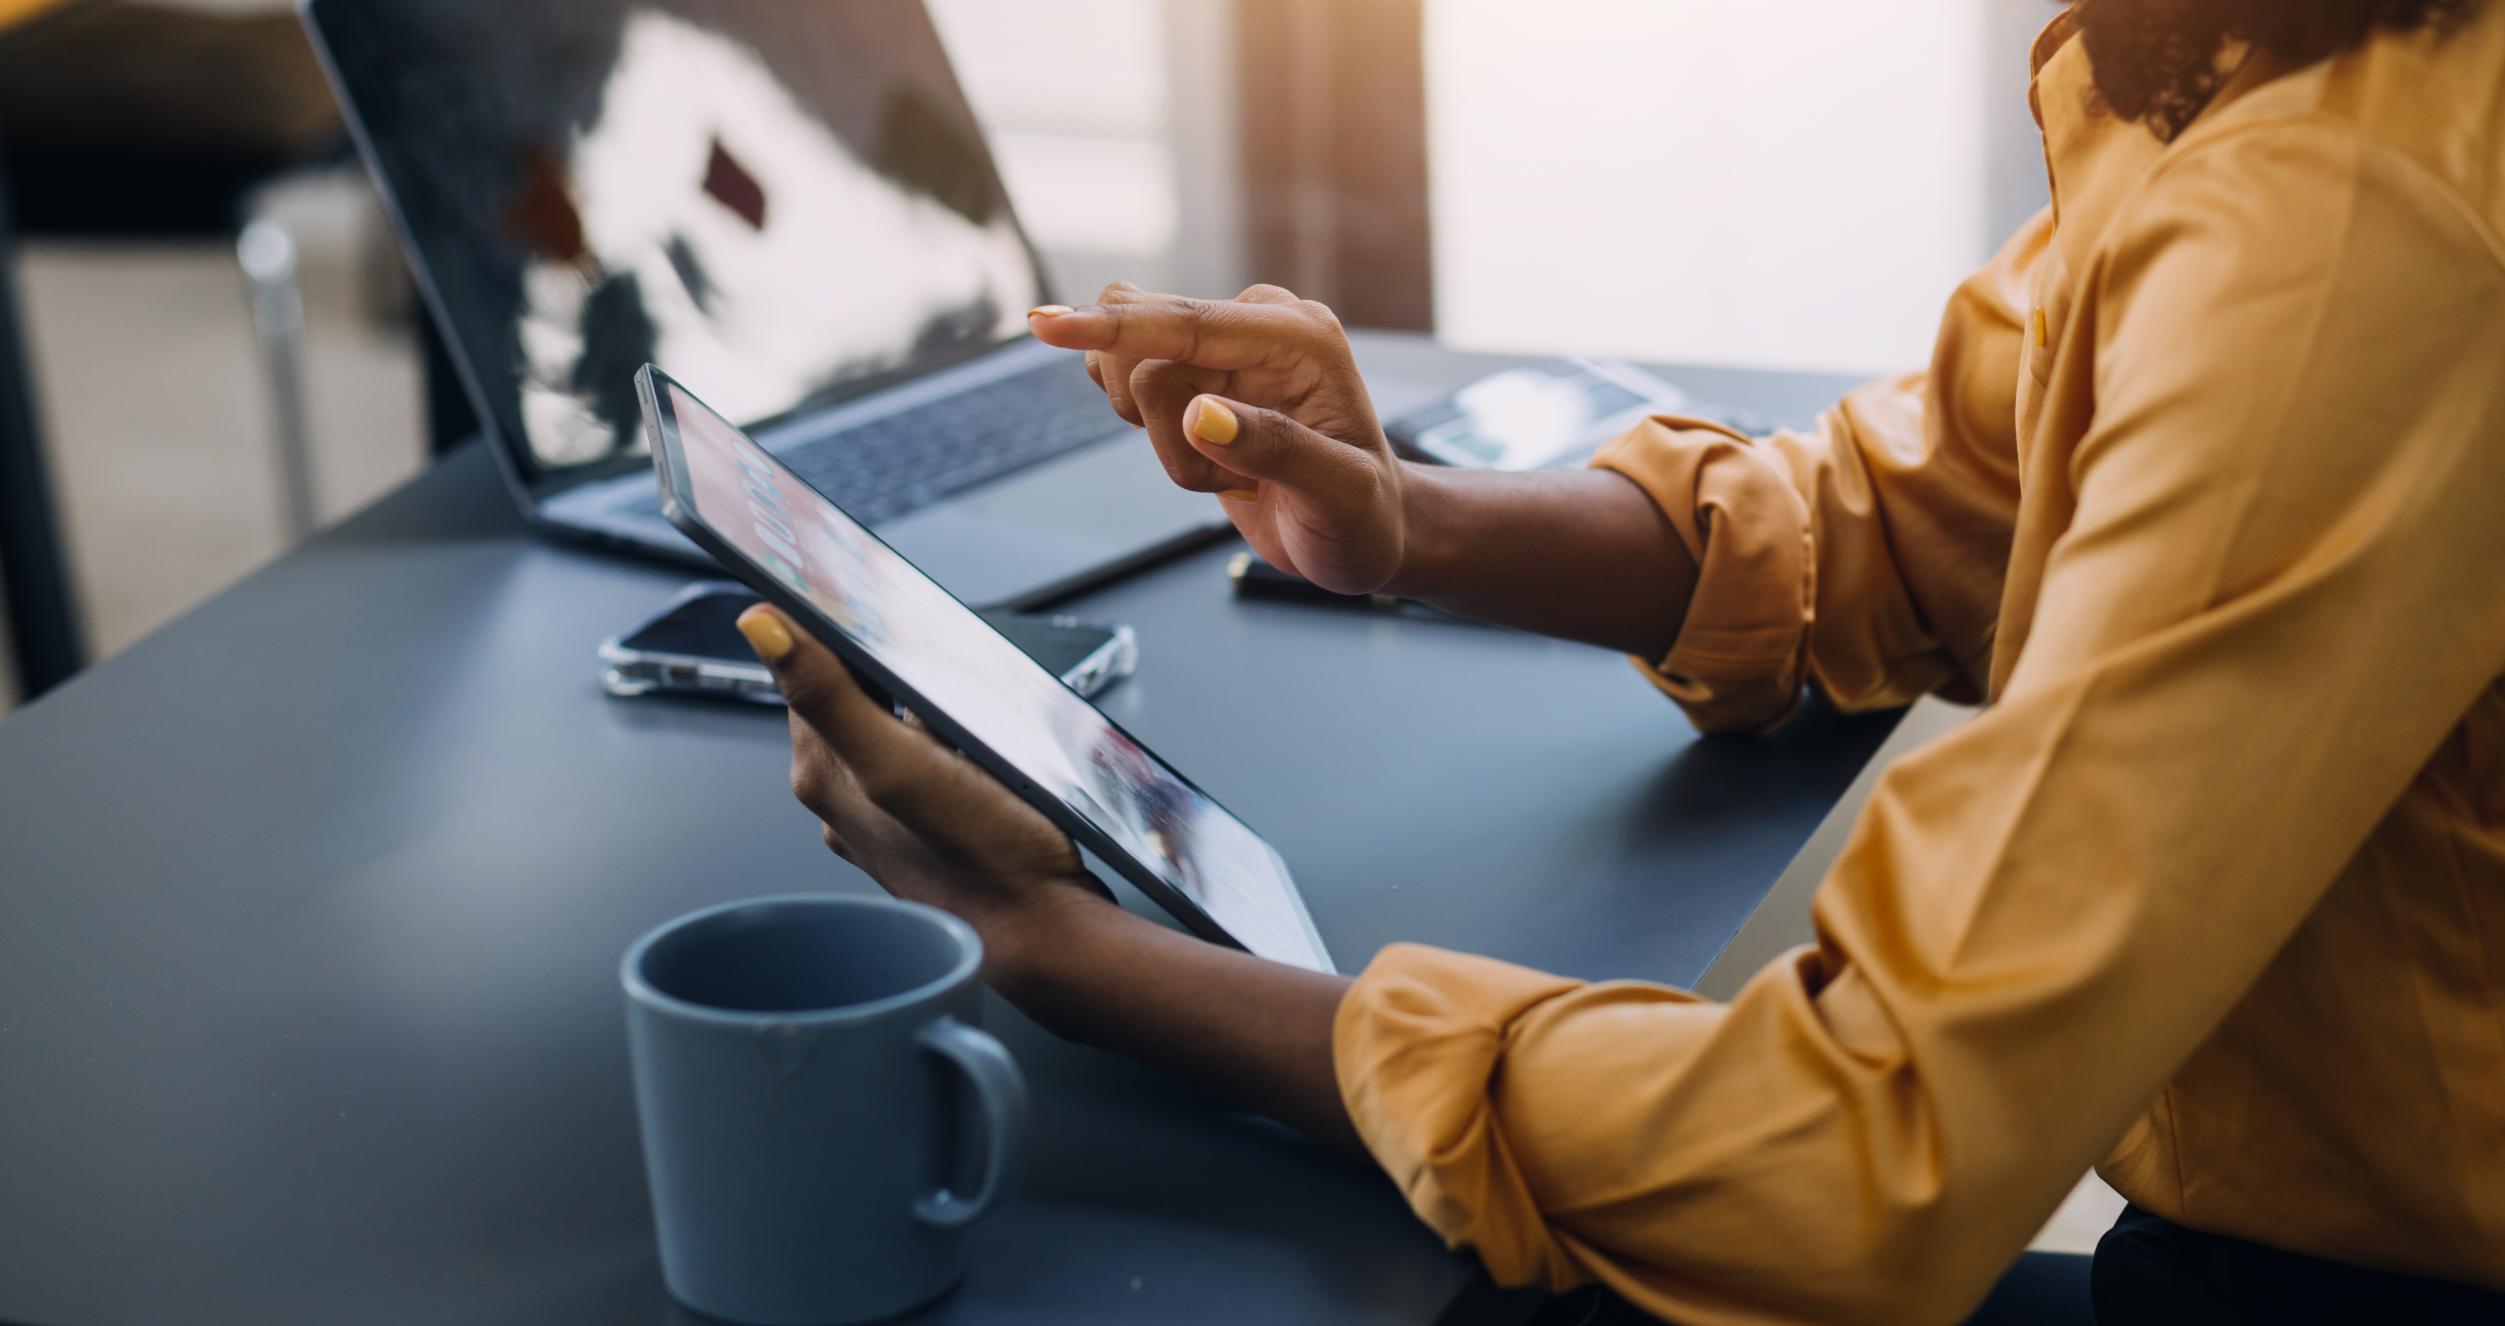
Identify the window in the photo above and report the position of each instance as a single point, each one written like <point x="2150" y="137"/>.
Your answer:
<point x="1113" y="124"/>
<point x="1792" y="184"/>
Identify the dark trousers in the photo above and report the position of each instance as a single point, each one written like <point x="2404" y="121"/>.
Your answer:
<point x="2149" y="1271"/>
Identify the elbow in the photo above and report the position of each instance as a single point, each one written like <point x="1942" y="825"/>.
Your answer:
<point x="1931" y="1250"/>
<point x="1744" y="704"/>
<point x="1928" y="1277"/>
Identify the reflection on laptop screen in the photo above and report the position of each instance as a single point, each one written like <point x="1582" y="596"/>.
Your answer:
<point x="778" y="198"/>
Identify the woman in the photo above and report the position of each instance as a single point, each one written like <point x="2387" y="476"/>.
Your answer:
<point x="2204" y="491"/>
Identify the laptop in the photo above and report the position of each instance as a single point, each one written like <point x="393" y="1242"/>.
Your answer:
<point x="787" y="205"/>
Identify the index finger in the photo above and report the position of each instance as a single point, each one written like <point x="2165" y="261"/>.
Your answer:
<point x="1224" y="335"/>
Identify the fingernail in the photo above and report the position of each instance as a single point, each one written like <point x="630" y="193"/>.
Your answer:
<point x="1212" y="422"/>
<point x="1048" y="311"/>
<point x="766" y="633"/>
<point x="1242" y="495"/>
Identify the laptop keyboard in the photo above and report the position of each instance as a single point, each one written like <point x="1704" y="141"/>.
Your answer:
<point x="900" y="464"/>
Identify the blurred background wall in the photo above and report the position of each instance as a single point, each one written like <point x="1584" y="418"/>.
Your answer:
<point x="1790" y="183"/>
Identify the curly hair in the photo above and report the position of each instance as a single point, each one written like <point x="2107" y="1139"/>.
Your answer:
<point x="2156" y="61"/>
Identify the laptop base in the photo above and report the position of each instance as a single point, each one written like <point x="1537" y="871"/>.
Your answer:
<point x="1016" y="543"/>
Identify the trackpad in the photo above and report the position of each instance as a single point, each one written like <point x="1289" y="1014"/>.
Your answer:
<point x="1054" y="526"/>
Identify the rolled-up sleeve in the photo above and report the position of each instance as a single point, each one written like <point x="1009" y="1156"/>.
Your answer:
<point x="2276" y="596"/>
<point x="1864" y="554"/>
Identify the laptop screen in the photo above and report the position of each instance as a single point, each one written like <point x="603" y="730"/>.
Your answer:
<point x="789" y="202"/>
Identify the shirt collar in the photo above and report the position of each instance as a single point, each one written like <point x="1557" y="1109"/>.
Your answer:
<point x="2051" y="38"/>
<point x="2091" y="156"/>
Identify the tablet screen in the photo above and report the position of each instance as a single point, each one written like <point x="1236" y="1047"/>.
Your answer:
<point x="964" y="669"/>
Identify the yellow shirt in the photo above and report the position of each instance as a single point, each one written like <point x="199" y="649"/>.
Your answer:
<point x="13" y="12"/>
<point x="2205" y="491"/>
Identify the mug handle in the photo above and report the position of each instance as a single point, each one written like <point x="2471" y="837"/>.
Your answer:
<point x="1001" y="1090"/>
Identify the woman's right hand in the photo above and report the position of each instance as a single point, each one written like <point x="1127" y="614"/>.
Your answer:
<point x="1256" y="399"/>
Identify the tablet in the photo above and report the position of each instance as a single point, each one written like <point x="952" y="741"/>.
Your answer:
<point x="903" y="634"/>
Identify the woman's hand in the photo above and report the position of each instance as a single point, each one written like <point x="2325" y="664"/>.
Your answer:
<point x="921" y="819"/>
<point x="931" y="827"/>
<point x="1256" y="399"/>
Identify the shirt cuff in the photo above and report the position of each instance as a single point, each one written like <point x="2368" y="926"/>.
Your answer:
<point x="1739" y="660"/>
<point x="1416" y="1043"/>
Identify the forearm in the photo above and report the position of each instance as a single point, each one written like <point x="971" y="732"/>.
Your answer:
<point x="1254" y="1030"/>
<point x="1581" y="554"/>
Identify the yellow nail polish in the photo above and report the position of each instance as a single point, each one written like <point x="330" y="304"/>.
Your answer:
<point x="2043" y="330"/>
<point x="1242" y="495"/>
<point x="1048" y="310"/>
<point x="1212" y="422"/>
<point x="766" y="633"/>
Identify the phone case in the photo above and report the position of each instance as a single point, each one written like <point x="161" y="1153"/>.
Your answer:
<point x="628" y="672"/>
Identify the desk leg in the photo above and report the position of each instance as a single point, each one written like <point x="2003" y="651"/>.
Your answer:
<point x="34" y="576"/>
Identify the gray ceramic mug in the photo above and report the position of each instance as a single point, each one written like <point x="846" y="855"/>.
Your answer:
<point x="801" y="1068"/>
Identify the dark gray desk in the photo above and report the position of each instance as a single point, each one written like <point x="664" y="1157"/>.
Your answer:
<point x="311" y="904"/>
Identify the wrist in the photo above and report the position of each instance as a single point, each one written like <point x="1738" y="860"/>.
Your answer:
<point x="1423" y="570"/>
<point x="1026" y="947"/>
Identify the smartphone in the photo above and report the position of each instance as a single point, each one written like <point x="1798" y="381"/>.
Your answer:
<point x="693" y="647"/>
<point x="1543" y="416"/>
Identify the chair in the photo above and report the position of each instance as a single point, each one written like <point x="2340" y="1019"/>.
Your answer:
<point x="132" y="121"/>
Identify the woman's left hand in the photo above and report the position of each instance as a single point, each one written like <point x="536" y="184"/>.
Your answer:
<point x="921" y="819"/>
<point x="931" y="827"/>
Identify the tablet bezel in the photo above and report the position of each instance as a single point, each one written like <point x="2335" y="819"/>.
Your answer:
<point x="662" y="427"/>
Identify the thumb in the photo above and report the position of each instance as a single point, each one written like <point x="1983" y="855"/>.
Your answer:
<point x="812" y="680"/>
<point x="1265" y="444"/>
<point x="899" y="766"/>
